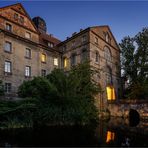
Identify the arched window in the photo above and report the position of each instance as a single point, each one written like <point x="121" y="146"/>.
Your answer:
<point x="84" y="55"/>
<point x="107" y="54"/>
<point x="97" y="57"/>
<point x="65" y="62"/>
<point x="108" y="75"/>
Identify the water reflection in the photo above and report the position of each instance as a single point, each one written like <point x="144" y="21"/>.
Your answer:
<point x="115" y="132"/>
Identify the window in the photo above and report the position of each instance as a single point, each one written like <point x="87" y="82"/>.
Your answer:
<point x="8" y="46"/>
<point x="84" y="55"/>
<point x="73" y="44"/>
<point x="8" y="67"/>
<point x="107" y="38"/>
<point x="28" y="53"/>
<point x="97" y="57"/>
<point x="64" y="48"/>
<point x="21" y="20"/>
<point x="73" y="59"/>
<point x="83" y="38"/>
<point x="96" y="40"/>
<point x="43" y="73"/>
<point x="55" y="61"/>
<point x="65" y="62"/>
<point x="43" y="58"/>
<point x="50" y="44"/>
<point x="108" y="75"/>
<point x="8" y="27"/>
<point x="8" y="87"/>
<point x="27" y="71"/>
<point x="107" y="54"/>
<point x="28" y="35"/>
<point x="15" y="16"/>
<point x="110" y="93"/>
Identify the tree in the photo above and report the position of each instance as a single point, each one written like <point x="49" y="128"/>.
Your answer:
<point x="134" y="63"/>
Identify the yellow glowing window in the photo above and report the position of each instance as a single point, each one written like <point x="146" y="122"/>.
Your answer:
<point x="110" y="136"/>
<point x="43" y="57"/>
<point x="65" y="62"/>
<point x="110" y="93"/>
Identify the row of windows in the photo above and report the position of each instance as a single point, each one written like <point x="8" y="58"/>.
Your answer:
<point x="8" y="69"/>
<point x="8" y="27"/>
<point x="8" y="48"/>
<point x="73" y="44"/>
<point x="27" y="34"/>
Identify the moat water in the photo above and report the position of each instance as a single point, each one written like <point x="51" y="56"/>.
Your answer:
<point x="115" y="132"/>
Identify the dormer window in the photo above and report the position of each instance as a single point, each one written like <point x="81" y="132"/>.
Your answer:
<point x="15" y="16"/>
<point x="50" y="44"/>
<point x="21" y="20"/>
<point x="8" y="27"/>
<point x="73" y="44"/>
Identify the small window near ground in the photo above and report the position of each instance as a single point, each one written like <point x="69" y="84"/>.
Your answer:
<point x="8" y="87"/>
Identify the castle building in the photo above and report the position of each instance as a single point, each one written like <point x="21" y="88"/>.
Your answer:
<point x="26" y="50"/>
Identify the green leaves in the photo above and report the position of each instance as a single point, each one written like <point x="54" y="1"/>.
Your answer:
<point x="134" y="62"/>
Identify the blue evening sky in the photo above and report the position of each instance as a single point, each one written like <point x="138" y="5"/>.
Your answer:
<point x="65" y="17"/>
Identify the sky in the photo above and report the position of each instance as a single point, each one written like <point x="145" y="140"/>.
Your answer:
<point x="65" y="17"/>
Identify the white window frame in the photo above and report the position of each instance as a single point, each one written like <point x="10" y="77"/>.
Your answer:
<point x="8" y="67"/>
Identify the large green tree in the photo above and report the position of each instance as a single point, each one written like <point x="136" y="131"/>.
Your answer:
<point x="134" y="64"/>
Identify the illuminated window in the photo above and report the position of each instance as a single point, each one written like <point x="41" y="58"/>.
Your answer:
<point x="65" y="62"/>
<point x="110" y="93"/>
<point x="110" y="136"/>
<point x="55" y="61"/>
<point x="43" y="58"/>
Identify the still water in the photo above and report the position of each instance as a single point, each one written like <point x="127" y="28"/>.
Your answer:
<point x="115" y="132"/>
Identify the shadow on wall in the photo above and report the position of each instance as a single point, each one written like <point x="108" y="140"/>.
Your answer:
<point x="134" y="118"/>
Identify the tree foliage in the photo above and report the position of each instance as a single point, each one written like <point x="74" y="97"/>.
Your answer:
<point x="134" y="63"/>
<point x="63" y="98"/>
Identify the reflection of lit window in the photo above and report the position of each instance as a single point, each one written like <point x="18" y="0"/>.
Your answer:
<point x="65" y="62"/>
<point x="43" y="58"/>
<point x="110" y="136"/>
<point x="55" y="61"/>
<point x="110" y="93"/>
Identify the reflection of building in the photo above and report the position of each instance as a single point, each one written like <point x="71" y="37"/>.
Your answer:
<point x="27" y="51"/>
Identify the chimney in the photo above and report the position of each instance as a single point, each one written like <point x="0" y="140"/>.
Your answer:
<point x="81" y="29"/>
<point x="67" y="38"/>
<point x="74" y="33"/>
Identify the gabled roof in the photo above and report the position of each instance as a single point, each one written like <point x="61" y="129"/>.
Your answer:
<point x="48" y="38"/>
<point x="18" y="7"/>
<point x="109" y="30"/>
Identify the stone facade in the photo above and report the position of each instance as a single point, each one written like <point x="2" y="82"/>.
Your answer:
<point x="31" y="46"/>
